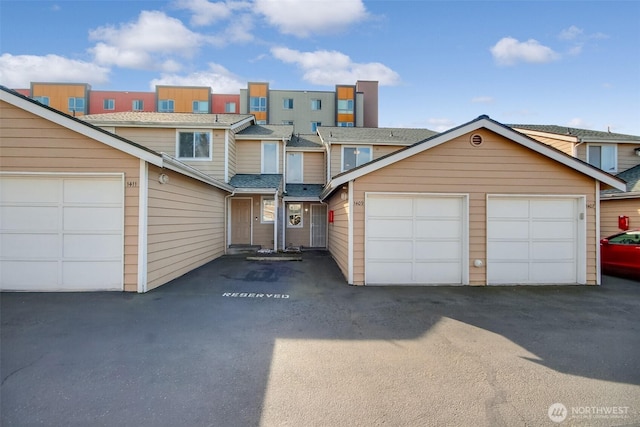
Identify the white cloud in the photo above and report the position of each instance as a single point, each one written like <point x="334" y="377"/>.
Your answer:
<point x="510" y="51"/>
<point x="440" y="124"/>
<point x="302" y="18"/>
<point x="137" y="44"/>
<point x="324" y="67"/>
<point x="238" y="31"/>
<point x="17" y="71"/>
<point x="207" y="13"/>
<point x="482" y="100"/>
<point x="571" y="33"/>
<point x="217" y="77"/>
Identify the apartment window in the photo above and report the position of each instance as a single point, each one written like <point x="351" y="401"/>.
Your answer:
<point x="194" y="145"/>
<point x="137" y="105"/>
<point x="345" y="124"/>
<point x="345" y="106"/>
<point x="230" y="107"/>
<point x="287" y="122"/>
<point x="294" y="168"/>
<point x="109" y="104"/>
<point x="287" y="103"/>
<point x="261" y="122"/>
<point x="257" y="103"/>
<point x="355" y="156"/>
<point x="268" y="213"/>
<point x="44" y="100"/>
<point x="165" y="106"/>
<point x="314" y="126"/>
<point x="604" y="157"/>
<point x="200" y="107"/>
<point x="316" y="104"/>
<point x="269" y="157"/>
<point x="76" y="104"/>
<point x="294" y="215"/>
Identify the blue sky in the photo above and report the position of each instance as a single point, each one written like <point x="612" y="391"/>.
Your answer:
<point x="439" y="63"/>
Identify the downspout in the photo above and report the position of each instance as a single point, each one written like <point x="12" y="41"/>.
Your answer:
<point x="598" y="255"/>
<point x="227" y="220"/>
<point x="574" y="148"/>
<point x="275" y="222"/>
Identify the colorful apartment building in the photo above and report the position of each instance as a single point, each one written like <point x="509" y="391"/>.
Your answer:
<point x="346" y="106"/>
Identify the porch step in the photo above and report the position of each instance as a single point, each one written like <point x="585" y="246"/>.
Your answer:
<point x="243" y="249"/>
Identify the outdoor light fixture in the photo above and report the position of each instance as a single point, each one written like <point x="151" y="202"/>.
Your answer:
<point x="163" y="178"/>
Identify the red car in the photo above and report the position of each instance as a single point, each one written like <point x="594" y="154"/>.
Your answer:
<point x="620" y="254"/>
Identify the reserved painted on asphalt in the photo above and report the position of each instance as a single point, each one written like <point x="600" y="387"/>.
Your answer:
<point x="254" y="295"/>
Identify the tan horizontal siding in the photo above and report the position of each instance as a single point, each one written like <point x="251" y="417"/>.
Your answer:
<point x="60" y="150"/>
<point x="560" y="144"/>
<point x="339" y="232"/>
<point x="248" y="157"/>
<point x="185" y="226"/>
<point x="314" y="168"/>
<point x="499" y="166"/>
<point x="378" y="151"/>
<point x="610" y="210"/>
<point x="627" y="157"/>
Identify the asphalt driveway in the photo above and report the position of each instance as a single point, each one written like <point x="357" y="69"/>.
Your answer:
<point x="248" y="343"/>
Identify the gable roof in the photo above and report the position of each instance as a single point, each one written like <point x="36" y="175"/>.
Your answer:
<point x="632" y="177"/>
<point x="275" y="132"/>
<point x="480" y="122"/>
<point x="100" y="135"/>
<point x="306" y="141"/>
<point x="386" y="136"/>
<point x="581" y="135"/>
<point x="256" y="182"/>
<point x="154" y="119"/>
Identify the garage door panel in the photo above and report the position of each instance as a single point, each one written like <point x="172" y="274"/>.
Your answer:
<point x="390" y="250"/>
<point x="509" y="273"/>
<point x="553" y="209"/>
<point x="29" y="190"/>
<point x="553" y="250"/>
<point x="25" y="218"/>
<point x="398" y="207"/>
<point x="92" y="246"/>
<point x="442" y="208"/>
<point x="31" y="245"/>
<point x="513" y="251"/>
<point x="390" y="273"/>
<point x="390" y="227"/>
<point x="500" y="229"/>
<point x="439" y="273"/>
<point x="92" y="218"/>
<point x="96" y="191"/>
<point x="553" y="272"/>
<point x="29" y="276"/>
<point x="429" y="250"/>
<point x="508" y="208"/>
<point x="553" y="230"/>
<point x="90" y="275"/>
<point x="438" y="228"/>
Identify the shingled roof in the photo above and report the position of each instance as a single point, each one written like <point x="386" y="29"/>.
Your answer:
<point x="305" y="141"/>
<point x="588" y="134"/>
<point x="632" y="177"/>
<point x="390" y="136"/>
<point x="266" y="131"/>
<point x="144" y="118"/>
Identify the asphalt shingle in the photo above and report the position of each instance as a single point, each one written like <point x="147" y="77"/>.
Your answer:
<point x="578" y="133"/>
<point x="304" y="190"/>
<point x="256" y="181"/>
<point x="164" y="119"/>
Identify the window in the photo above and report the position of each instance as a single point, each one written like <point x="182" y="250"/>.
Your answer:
<point x="603" y="156"/>
<point x="269" y="157"/>
<point x="165" y="106"/>
<point x="257" y="103"/>
<point x="261" y="122"/>
<point x="42" y="99"/>
<point x="345" y="106"/>
<point x="287" y="122"/>
<point x="194" y="145"/>
<point x="294" y="214"/>
<point x="268" y="213"/>
<point x="345" y="124"/>
<point x="316" y="104"/>
<point x="137" y="105"/>
<point x="76" y="104"/>
<point x="109" y="104"/>
<point x="314" y="126"/>
<point x="355" y="156"/>
<point x="294" y="168"/>
<point x="230" y="107"/>
<point x="200" y="107"/>
<point x="287" y="103"/>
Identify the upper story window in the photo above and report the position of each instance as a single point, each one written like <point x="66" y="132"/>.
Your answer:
<point x="137" y="105"/>
<point x="42" y="99"/>
<point x="194" y="145"/>
<point x="345" y="106"/>
<point x="294" y="168"/>
<point x="76" y="104"/>
<point x="269" y="157"/>
<point x="345" y="124"/>
<point x="165" y="106"/>
<point x="287" y="122"/>
<point x="109" y="104"/>
<point x="355" y="156"/>
<point x="287" y="103"/>
<point x="230" y="107"/>
<point x="604" y="157"/>
<point x="314" y="126"/>
<point x="200" y="106"/>
<point x="316" y="104"/>
<point x="257" y="103"/>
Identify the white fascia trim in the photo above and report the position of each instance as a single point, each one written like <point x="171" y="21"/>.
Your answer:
<point x="468" y="128"/>
<point x="226" y="155"/>
<point x="177" y="166"/>
<point x="242" y="122"/>
<point x="81" y="128"/>
<point x="620" y="196"/>
<point x="254" y="190"/>
<point x="301" y="199"/>
<point x="143" y="217"/>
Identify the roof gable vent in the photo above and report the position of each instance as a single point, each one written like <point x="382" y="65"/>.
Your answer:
<point x="476" y="140"/>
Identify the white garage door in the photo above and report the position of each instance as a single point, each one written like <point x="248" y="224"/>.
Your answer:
<point x="415" y="239"/>
<point x="533" y="240"/>
<point x="61" y="233"/>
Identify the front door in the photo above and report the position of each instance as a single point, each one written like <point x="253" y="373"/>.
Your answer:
<point x="318" y="226"/>
<point x="240" y="221"/>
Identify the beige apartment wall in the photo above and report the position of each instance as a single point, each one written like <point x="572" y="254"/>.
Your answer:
<point x="610" y="210"/>
<point x="165" y="141"/>
<point x="314" y="167"/>
<point x="29" y="143"/>
<point x="627" y="157"/>
<point x="558" y="143"/>
<point x="378" y="151"/>
<point x="185" y="227"/>
<point x="299" y="236"/>
<point x="248" y="157"/>
<point x="498" y="166"/>
<point x="338" y="233"/>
